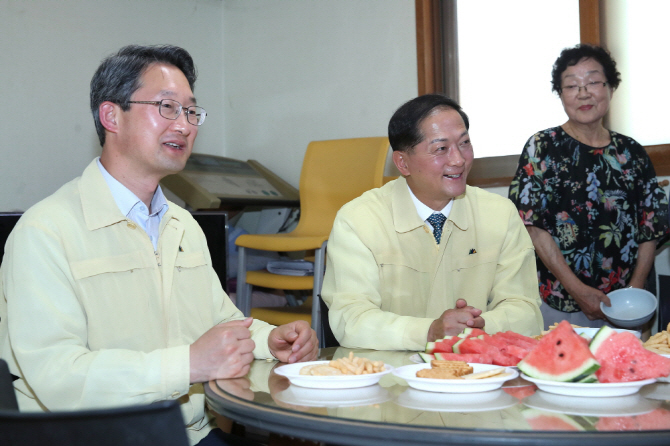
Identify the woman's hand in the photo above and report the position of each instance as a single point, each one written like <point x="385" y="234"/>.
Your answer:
<point x="589" y="300"/>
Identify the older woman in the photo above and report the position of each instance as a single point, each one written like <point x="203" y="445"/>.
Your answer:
<point x="588" y="196"/>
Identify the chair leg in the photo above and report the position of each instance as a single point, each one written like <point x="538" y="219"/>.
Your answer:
<point x="243" y="299"/>
<point x="319" y="269"/>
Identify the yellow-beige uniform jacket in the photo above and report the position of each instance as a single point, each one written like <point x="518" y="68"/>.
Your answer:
<point x="96" y="318"/>
<point x="387" y="280"/>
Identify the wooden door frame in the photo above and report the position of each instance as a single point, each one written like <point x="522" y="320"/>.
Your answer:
<point x="429" y="39"/>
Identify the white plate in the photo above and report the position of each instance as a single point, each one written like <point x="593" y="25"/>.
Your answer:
<point x="455" y="402"/>
<point x="416" y="359"/>
<point x="615" y="406"/>
<point x="590" y="389"/>
<point x="364" y="396"/>
<point x="664" y="379"/>
<point x="292" y="372"/>
<point x="591" y="332"/>
<point x="408" y="373"/>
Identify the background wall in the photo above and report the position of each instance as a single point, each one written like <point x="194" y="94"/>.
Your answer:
<point x="297" y="71"/>
<point x="274" y="75"/>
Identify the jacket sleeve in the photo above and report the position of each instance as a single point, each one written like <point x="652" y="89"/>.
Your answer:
<point x="514" y="301"/>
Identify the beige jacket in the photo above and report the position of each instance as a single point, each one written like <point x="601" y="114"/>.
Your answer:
<point x="96" y="318"/>
<point x="387" y="280"/>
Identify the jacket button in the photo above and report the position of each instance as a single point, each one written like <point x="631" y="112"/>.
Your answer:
<point x="132" y="225"/>
<point x="175" y="394"/>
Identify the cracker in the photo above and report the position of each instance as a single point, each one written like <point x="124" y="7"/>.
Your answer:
<point x="486" y="374"/>
<point x="438" y="373"/>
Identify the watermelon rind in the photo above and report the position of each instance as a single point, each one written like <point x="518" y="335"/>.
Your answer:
<point x="426" y="357"/>
<point x="589" y="379"/>
<point x="430" y="347"/>
<point x="456" y="347"/>
<point x="600" y="337"/>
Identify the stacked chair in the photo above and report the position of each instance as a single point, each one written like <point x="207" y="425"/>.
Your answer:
<point x="333" y="173"/>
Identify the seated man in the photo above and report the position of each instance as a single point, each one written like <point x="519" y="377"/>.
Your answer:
<point x="393" y="268"/>
<point x="110" y="297"/>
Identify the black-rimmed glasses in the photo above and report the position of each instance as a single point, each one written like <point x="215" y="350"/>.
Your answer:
<point x="171" y="109"/>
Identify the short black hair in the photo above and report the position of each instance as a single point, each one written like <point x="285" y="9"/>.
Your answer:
<point x="572" y="56"/>
<point x="404" y="132"/>
<point x="118" y="76"/>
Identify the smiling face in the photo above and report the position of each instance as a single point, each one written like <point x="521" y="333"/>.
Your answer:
<point x="151" y="145"/>
<point x="585" y="107"/>
<point x="437" y="167"/>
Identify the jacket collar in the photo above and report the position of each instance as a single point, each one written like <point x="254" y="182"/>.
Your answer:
<point x="405" y="221"/>
<point x="98" y="204"/>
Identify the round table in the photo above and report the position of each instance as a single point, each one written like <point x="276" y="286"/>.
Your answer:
<point x="392" y="413"/>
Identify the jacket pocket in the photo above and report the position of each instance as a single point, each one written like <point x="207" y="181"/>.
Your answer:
<point x="103" y="265"/>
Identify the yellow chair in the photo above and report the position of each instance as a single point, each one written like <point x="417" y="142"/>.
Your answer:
<point x="333" y="173"/>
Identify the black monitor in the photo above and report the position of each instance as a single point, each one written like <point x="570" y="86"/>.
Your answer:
<point x="7" y="222"/>
<point x="215" y="226"/>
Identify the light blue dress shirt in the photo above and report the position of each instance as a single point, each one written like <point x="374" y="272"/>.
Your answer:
<point x="133" y="208"/>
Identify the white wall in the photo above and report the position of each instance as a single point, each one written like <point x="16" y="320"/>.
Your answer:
<point x="636" y="34"/>
<point x="298" y="71"/>
<point x="274" y="75"/>
<point x="48" y="53"/>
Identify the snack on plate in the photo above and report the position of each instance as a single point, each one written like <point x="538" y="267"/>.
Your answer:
<point x="500" y="371"/>
<point x="438" y="373"/>
<point x="353" y="365"/>
<point x="441" y="369"/>
<point x="320" y="370"/>
<point x="459" y="368"/>
<point x="660" y="342"/>
<point x="551" y="327"/>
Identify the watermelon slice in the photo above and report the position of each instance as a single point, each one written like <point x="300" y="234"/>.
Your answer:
<point x="560" y="355"/>
<point x="623" y="358"/>
<point x="517" y="339"/>
<point x="473" y="332"/>
<point x="479" y="346"/>
<point x="467" y="357"/>
<point x="443" y="345"/>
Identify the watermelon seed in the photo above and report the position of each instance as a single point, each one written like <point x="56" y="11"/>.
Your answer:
<point x="558" y="342"/>
<point x="560" y="355"/>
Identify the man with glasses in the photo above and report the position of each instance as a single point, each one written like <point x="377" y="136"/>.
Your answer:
<point x="110" y="294"/>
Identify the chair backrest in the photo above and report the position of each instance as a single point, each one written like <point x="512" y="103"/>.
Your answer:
<point x="154" y="424"/>
<point x="335" y="172"/>
<point x="7" y="395"/>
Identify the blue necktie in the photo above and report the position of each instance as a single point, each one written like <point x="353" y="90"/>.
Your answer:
<point x="437" y="221"/>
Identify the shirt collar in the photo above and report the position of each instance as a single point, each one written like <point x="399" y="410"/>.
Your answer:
<point x="424" y="211"/>
<point x="125" y="199"/>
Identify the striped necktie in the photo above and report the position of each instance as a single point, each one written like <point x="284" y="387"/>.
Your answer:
<point x="437" y="221"/>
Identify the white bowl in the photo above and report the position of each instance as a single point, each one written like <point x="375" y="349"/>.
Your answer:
<point x="631" y="307"/>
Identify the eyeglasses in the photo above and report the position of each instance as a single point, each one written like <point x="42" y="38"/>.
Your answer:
<point x="171" y="109"/>
<point x="591" y="87"/>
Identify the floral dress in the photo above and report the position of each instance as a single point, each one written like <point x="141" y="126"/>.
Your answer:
<point x="598" y="204"/>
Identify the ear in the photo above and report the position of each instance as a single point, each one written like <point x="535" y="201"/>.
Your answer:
<point x="108" y="116"/>
<point x="400" y="161"/>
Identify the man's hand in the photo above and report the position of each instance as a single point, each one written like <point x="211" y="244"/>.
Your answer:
<point x="589" y="300"/>
<point x="294" y="342"/>
<point x="224" y="351"/>
<point x="452" y="322"/>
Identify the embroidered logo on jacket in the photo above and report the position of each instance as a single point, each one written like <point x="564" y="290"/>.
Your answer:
<point x="473" y="251"/>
